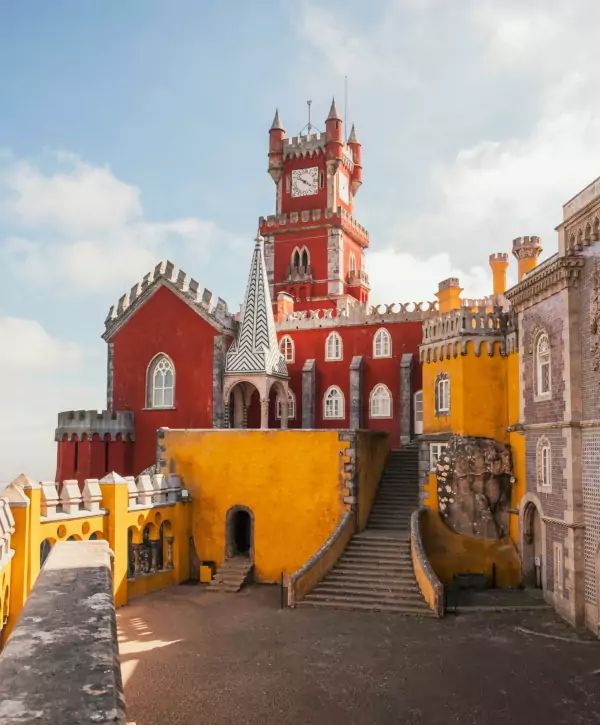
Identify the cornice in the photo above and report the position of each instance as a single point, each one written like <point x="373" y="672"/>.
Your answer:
<point x="545" y="281"/>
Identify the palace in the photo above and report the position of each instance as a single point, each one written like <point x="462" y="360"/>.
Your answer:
<point x="362" y="457"/>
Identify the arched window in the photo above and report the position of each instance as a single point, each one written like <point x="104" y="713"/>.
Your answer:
<point x="352" y="262"/>
<point x="333" y="347"/>
<point x="291" y="412"/>
<point x="442" y="394"/>
<point x="296" y="259"/>
<point x="286" y="348"/>
<point x="305" y="259"/>
<point x="161" y="383"/>
<point x="382" y="343"/>
<point x="333" y="403"/>
<point x="544" y="464"/>
<point x="380" y="402"/>
<point x="543" y="381"/>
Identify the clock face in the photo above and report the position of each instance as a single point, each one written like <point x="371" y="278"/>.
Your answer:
<point x="305" y="182"/>
<point x="343" y="189"/>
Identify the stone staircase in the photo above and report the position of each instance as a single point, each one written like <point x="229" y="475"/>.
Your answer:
<point x="232" y="576"/>
<point x="375" y="571"/>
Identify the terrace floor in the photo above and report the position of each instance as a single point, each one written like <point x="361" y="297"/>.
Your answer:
<point x="189" y="656"/>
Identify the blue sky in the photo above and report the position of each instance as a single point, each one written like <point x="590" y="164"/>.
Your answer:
<point x="131" y="132"/>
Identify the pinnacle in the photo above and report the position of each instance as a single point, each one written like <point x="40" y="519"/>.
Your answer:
<point x="352" y="138"/>
<point x="276" y="125"/>
<point x="333" y="114"/>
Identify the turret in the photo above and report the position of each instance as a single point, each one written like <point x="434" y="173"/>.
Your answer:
<point x="448" y="295"/>
<point x="499" y="265"/>
<point x="526" y="250"/>
<point x="276" y="136"/>
<point x="334" y="134"/>
<point x="355" y="146"/>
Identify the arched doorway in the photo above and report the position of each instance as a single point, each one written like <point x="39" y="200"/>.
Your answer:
<point x="532" y="547"/>
<point x="240" y="532"/>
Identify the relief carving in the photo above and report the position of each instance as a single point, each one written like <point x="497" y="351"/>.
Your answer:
<point x="474" y="477"/>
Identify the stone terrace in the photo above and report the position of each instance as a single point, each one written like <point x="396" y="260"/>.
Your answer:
<point x="189" y="656"/>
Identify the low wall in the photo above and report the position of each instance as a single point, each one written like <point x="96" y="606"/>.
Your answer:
<point x="372" y="450"/>
<point x="429" y="584"/>
<point x="61" y="663"/>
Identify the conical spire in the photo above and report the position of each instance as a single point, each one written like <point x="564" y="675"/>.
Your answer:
<point x="255" y="348"/>
<point x="333" y="114"/>
<point x="352" y="138"/>
<point x="276" y="125"/>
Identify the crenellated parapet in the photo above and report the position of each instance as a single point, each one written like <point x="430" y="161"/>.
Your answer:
<point x="111" y="424"/>
<point x="358" y="315"/>
<point x="304" y="145"/>
<point x="183" y="285"/>
<point x="306" y="218"/>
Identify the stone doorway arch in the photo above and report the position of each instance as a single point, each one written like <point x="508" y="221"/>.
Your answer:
<point x="239" y="532"/>
<point x="532" y="545"/>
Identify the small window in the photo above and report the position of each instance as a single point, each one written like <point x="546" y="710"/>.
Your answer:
<point x="333" y="347"/>
<point x="435" y="451"/>
<point x="352" y="262"/>
<point x="305" y="259"/>
<point x="544" y="464"/>
<point x="418" y="412"/>
<point x="380" y="402"/>
<point x="296" y="259"/>
<point x="161" y="383"/>
<point x="291" y="412"/>
<point x="382" y="343"/>
<point x="286" y="347"/>
<point x="442" y="394"/>
<point x="333" y="403"/>
<point x="542" y="359"/>
<point x="558" y="568"/>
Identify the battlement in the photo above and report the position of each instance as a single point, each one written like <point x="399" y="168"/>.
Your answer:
<point x="74" y="424"/>
<point x="301" y="146"/>
<point x="185" y="286"/>
<point x="582" y="199"/>
<point x="526" y="247"/>
<point x="358" y="315"/>
<point x="341" y="218"/>
<point x="498" y="257"/>
<point x="470" y="321"/>
<point x="449" y="283"/>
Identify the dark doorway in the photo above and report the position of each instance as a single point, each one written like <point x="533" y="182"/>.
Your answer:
<point x="241" y="526"/>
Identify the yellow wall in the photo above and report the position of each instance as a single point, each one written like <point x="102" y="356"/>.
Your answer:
<point x="293" y="482"/>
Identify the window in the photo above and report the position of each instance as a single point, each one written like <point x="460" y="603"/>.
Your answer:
<point x="435" y="451"/>
<point x="352" y="262"/>
<point x="291" y="412"/>
<point x="161" y="383"/>
<point x="301" y="260"/>
<point x="382" y="343"/>
<point x="442" y="394"/>
<point x="333" y="403"/>
<point x="305" y="258"/>
<point x="286" y="348"/>
<point x="558" y="568"/>
<point x="544" y="464"/>
<point x="380" y="402"/>
<point x="333" y="347"/>
<point x="542" y="367"/>
<point x="418" y="412"/>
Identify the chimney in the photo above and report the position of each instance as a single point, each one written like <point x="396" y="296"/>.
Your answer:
<point x="285" y="305"/>
<point x="499" y="265"/>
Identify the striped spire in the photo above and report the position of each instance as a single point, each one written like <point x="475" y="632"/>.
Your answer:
<point x="255" y="348"/>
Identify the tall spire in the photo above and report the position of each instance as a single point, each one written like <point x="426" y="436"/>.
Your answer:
<point x="333" y="114"/>
<point x="255" y="348"/>
<point x="352" y="138"/>
<point x="276" y="125"/>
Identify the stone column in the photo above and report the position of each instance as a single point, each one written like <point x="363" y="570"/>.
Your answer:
<point x="284" y="412"/>
<point x="405" y="402"/>
<point x="154" y="556"/>
<point x="264" y="413"/>
<point x="170" y="540"/>
<point x="308" y="393"/>
<point x="219" y="412"/>
<point x="356" y="391"/>
<point x="136" y="559"/>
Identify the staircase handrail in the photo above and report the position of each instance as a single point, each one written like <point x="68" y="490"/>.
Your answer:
<point x="306" y="578"/>
<point x="431" y="587"/>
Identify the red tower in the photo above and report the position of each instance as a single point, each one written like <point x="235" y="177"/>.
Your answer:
<point x="314" y="247"/>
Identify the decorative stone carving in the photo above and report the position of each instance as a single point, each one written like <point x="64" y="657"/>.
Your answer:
<point x="595" y="319"/>
<point x="474" y="477"/>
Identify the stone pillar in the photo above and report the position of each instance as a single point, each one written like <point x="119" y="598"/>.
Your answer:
<point x="405" y="401"/>
<point x="154" y="556"/>
<point x="136" y="559"/>
<point x="219" y="413"/>
<point x="308" y="393"/>
<point x="264" y="413"/>
<point x="284" y="412"/>
<point x="356" y="391"/>
<point x="170" y="540"/>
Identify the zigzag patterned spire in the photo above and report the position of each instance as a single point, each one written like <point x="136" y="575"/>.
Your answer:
<point x="255" y="348"/>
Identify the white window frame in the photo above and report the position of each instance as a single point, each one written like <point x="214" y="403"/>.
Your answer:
<point x="373" y="399"/>
<point x="287" y="348"/>
<point x="543" y="463"/>
<point x="339" y="413"/>
<point x="163" y="361"/>
<point x="291" y="406"/>
<point x="334" y="347"/>
<point x="435" y="451"/>
<point x="442" y="394"/>
<point x="543" y="361"/>
<point x="418" y="412"/>
<point x="382" y="343"/>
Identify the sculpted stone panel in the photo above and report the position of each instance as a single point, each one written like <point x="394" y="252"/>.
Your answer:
<point x="474" y="477"/>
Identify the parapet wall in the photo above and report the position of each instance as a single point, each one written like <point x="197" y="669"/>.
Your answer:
<point x="340" y="217"/>
<point x="112" y="423"/>
<point x="358" y="315"/>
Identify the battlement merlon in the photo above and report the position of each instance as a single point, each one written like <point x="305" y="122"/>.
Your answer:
<point x="468" y="321"/>
<point x="111" y="423"/>
<point x="310" y="218"/>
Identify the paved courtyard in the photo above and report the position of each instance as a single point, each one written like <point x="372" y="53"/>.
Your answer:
<point x="189" y="656"/>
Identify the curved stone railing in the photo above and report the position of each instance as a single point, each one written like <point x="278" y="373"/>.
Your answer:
<point x="306" y="578"/>
<point x="431" y="587"/>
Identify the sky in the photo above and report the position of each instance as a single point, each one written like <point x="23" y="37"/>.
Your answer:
<point x="134" y="132"/>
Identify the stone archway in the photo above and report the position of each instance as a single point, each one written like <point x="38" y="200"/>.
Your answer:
<point x="279" y="391"/>
<point x="532" y="536"/>
<point x="237" y="401"/>
<point x="239" y="532"/>
<point x="238" y="393"/>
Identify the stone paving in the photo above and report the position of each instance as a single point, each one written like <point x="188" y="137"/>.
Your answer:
<point x="192" y="657"/>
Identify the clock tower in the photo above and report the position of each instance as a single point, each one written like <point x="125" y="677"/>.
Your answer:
<point x="314" y="247"/>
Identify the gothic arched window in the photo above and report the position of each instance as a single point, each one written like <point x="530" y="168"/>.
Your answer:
<point x="286" y="348"/>
<point x="380" y="402"/>
<point x="543" y="379"/>
<point x="352" y="262"/>
<point x="161" y="383"/>
<point x="334" y="349"/>
<point x="291" y="411"/>
<point x="382" y="343"/>
<point x="333" y="403"/>
<point x="544" y="464"/>
<point x="305" y="259"/>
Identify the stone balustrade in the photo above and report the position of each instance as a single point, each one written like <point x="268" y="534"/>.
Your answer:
<point x="467" y="321"/>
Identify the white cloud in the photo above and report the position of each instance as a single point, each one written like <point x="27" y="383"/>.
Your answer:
<point x="27" y="345"/>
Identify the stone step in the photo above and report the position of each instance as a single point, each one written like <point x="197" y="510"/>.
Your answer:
<point x="364" y="595"/>
<point x="356" y="569"/>
<point x="422" y="611"/>
<point x="368" y="585"/>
